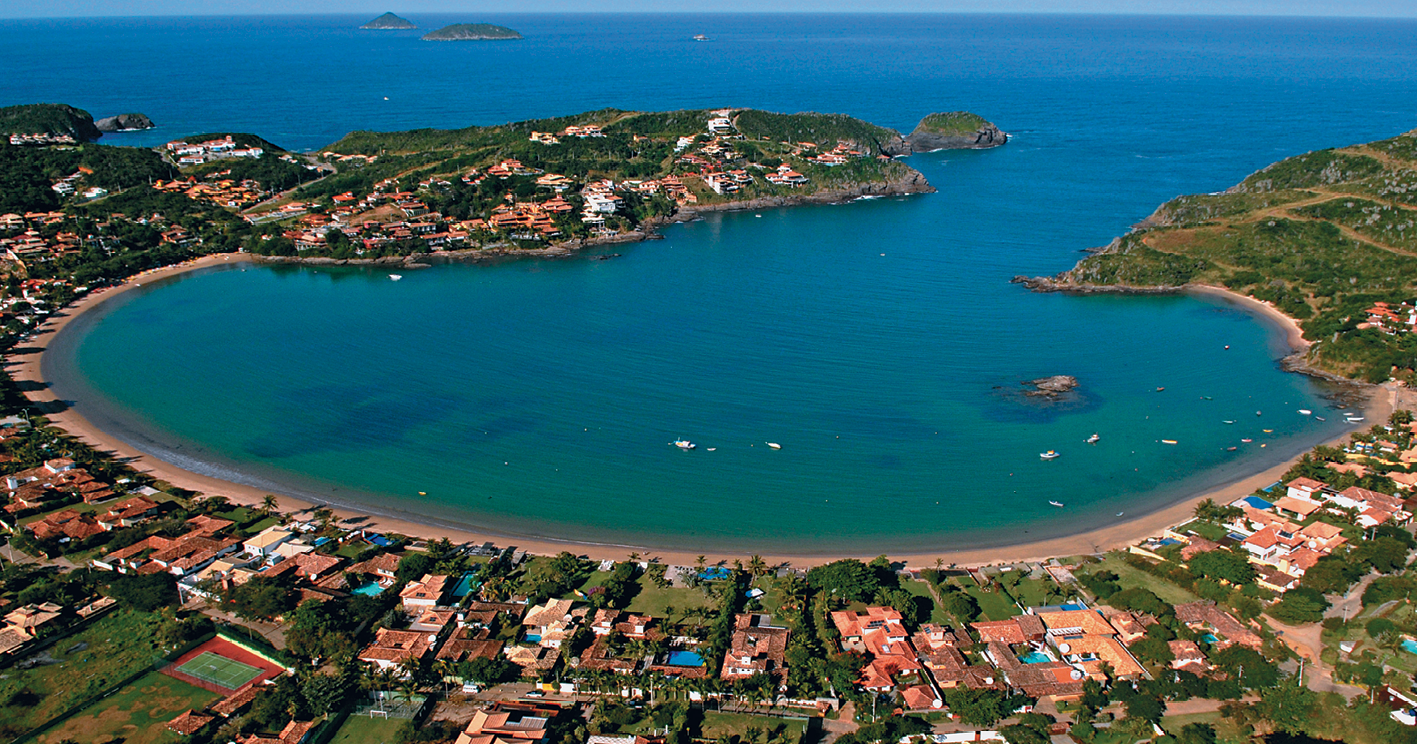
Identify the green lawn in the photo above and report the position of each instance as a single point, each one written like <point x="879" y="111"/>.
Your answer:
<point x="1226" y="732"/>
<point x="136" y="714"/>
<point x="652" y="600"/>
<point x="993" y="605"/>
<point x="717" y="725"/>
<point x="1130" y="577"/>
<point x="922" y="589"/>
<point x="89" y="662"/>
<point x="366" y="730"/>
<point x="1032" y="592"/>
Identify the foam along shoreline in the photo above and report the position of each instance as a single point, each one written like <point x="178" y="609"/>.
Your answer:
<point x="26" y="369"/>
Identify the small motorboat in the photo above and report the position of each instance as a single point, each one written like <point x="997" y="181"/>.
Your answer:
<point x="684" y="444"/>
<point x="1160" y="389"/>
<point x="1305" y="411"/>
<point x="1320" y="418"/>
<point x="1094" y="439"/>
<point x="1228" y="421"/>
<point x="1231" y="449"/>
<point x="1120" y="513"/>
<point x="1049" y="455"/>
<point x="1168" y="441"/>
<point x="700" y="37"/>
<point x="774" y="445"/>
<point x="1355" y="419"/>
<point x="712" y="449"/>
<point x="1058" y="504"/>
<point x="395" y="277"/>
<point x="1257" y="413"/>
<point x="1247" y="441"/>
<point x="1269" y="431"/>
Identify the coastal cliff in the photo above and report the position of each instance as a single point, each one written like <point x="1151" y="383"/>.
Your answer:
<point x="1326" y="238"/>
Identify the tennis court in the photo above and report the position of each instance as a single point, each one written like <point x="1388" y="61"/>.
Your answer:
<point x="220" y="671"/>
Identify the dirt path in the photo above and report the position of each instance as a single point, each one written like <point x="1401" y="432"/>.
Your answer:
<point x="844" y="724"/>
<point x="1306" y="641"/>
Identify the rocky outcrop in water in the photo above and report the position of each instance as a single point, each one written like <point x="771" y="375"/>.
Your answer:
<point x="124" y="123"/>
<point x="1051" y="387"/>
<point x="955" y="130"/>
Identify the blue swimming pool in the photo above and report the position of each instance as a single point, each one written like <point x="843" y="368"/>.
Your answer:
<point x="715" y="573"/>
<point x="1409" y="645"/>
<point x="372" y="589"/>
<point x="465" y="586"/>
<point x="1035" y="657"/>
<point x="685" y="659"/>
<point x="1074" y="607"/>
<point x="533" y="638"/>
<point x="1210" y="638"/>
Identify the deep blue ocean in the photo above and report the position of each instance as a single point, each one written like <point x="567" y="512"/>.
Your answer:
<point x="538" y="397"/>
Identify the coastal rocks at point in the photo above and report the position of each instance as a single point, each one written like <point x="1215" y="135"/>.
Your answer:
<point x="1051" y="387"/>
<point x="124" y="123"/>
<point x="956" y="130"/>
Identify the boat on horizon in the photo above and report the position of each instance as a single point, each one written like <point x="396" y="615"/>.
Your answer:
<point x="1058" y="504"/>
<point x="1094" y="439"/>
<point x="1049" y="455"/>
<point x="701" y="37"/>
<point x="684" y="444"/>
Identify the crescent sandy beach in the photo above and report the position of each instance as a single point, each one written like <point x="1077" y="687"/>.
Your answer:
<point x="26" y="369"/>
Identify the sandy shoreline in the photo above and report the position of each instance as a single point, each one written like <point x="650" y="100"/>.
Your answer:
<point x="25" y="369"/>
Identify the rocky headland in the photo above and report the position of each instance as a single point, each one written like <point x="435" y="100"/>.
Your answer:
<point x="124" y="123"/>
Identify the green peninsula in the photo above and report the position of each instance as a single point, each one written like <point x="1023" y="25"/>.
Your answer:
<point x="472" y="32"/>
<point x="388" y="22"/>
<point x="1329" y="238"/>
<point x="48" y="123"/>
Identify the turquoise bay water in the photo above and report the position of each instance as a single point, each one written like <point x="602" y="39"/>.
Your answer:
<point x="538" y="397"/>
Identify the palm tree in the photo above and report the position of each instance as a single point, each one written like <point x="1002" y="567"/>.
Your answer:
<point x="700" y="562"/>
<point x="269" y="504"/>
<point x="757" y="566"/>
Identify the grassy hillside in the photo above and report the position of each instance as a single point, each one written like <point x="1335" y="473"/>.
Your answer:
<point x="1322" y="236"/>
<point x="952" y="123"/>
<point x="48" y="118"/>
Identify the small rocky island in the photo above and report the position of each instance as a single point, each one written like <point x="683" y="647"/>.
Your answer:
<point x="1051" y="387"/>
<point x="472" y="32"/>
<point x="388" y="22"/>
<point x="124" y="123"/>
<point x="954" y="130"/>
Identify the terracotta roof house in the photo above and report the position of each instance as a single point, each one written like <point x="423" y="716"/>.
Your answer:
<point x="509" y="723"/>
<point x="1188" y="656"/>
<point x="1075" y="623"/>
<point x="1204" y="615"/>
<point x="1015" y="630"/>
<point x="295" y="732"/>
<point x="384" y="565"/>
<point x="467" y="644"/>
<point x="757" y="646"/>
<point x="553" y="621"/>
<point x="190" y="722"/>
<point x="391" y="647"/>
<point x="873" y="631"/>
<point x="236" y="701"/>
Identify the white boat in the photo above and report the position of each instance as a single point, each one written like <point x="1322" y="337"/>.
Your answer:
<point x="1227" y="421"/>
<point x="1305" y="411"/>
<point x="1320" y="418"/>
<point x="684" y="444"/>
<point x="774" y="445"/>
<point x="1049" y="455"/>
<point x="395" y="277"/>
<point x="712" y="449"/>
<point x="1058" y="504"/>
<point x="1168" y="441"/>
<point x="1094" y="439"/>
<point x="1120" y="513"/>
<point x="700" y="37"/>
<point x="1355" y="419"/>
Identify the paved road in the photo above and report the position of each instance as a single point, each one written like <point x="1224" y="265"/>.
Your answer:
<point x="845" y="724"/>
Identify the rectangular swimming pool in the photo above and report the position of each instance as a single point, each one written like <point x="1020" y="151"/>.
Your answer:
<point x="685" y="659"/>
<point x="372" y="589"/>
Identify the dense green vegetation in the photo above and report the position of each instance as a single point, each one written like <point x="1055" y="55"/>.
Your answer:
<point x="1322" y="236"/>
<point x="48" y="118"/>
<point x="471" y="32"/>
<point x="952" y="122"/>
<point x="26" y="173"/>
